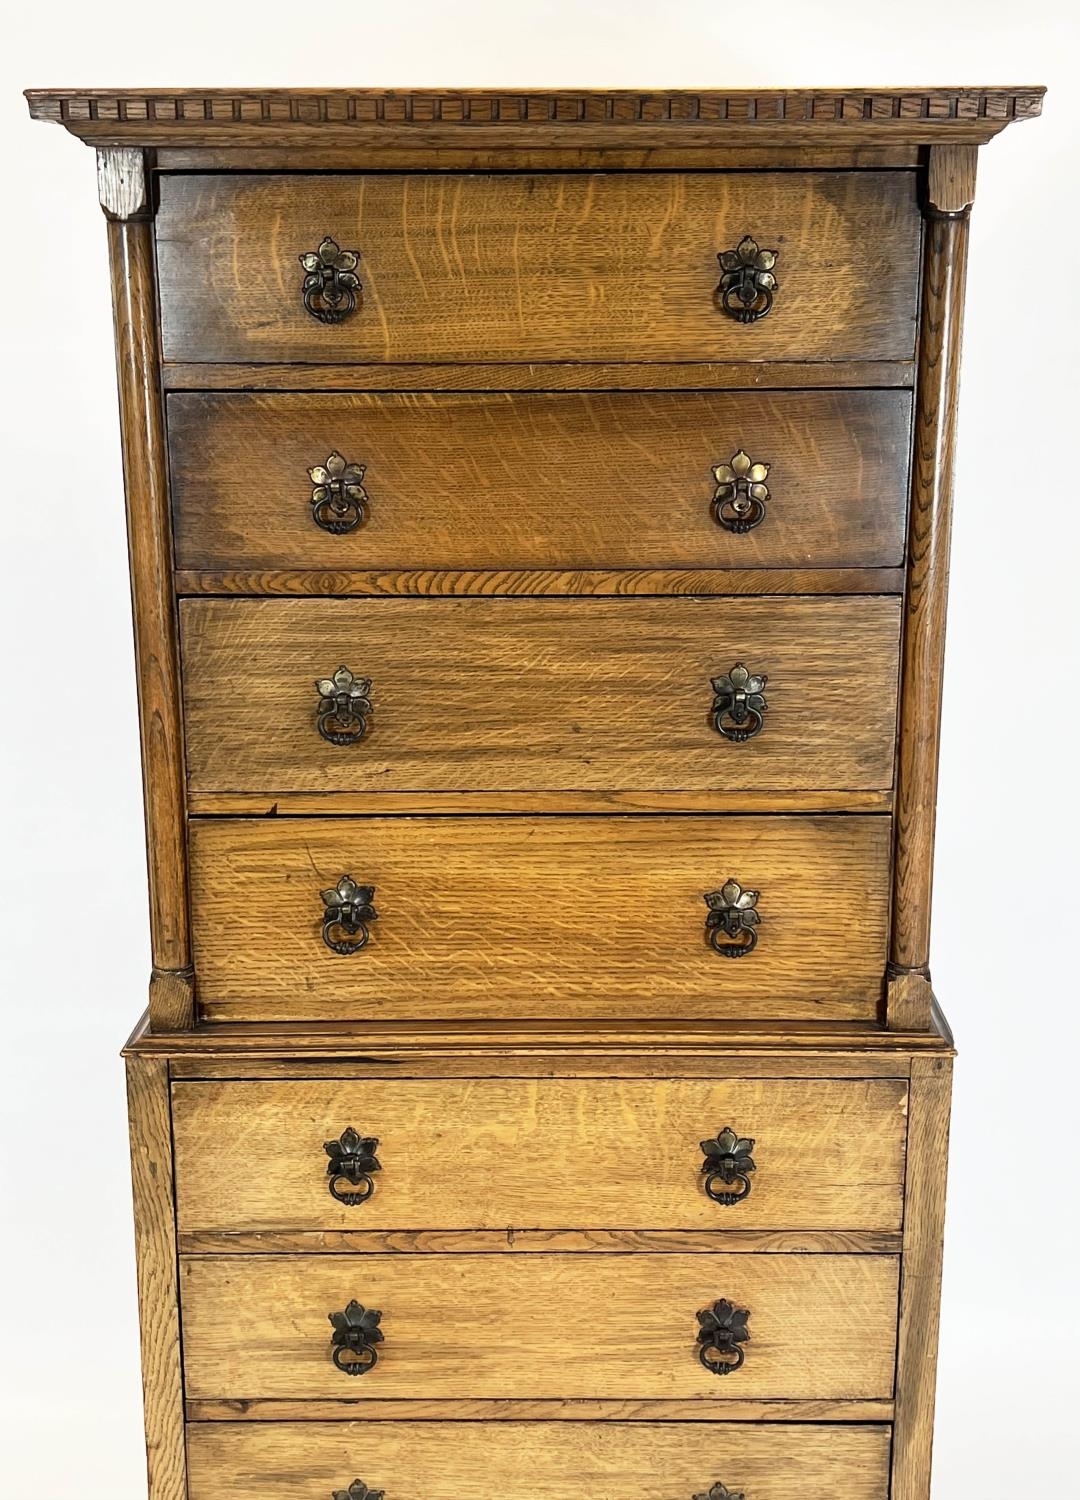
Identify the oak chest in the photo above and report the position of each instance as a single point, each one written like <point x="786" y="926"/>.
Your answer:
<point x="539" y="516"/>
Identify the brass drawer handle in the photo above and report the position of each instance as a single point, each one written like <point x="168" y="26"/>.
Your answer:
<point x="338" y="496"/>
<point x="728" y="1160"/>
<point x="732" y="920"/>
<point x="358" y="1490"/>
<point x="741" y="493"/>
<point x="352" y="1161"/>
<point x="344" y="706"/>
<point x="738" y="711"/>
<point x="331" y="285"/>
<point x="354" y="1339"/>
<point x="346" y="915"/>
<point x="718" y="1492"/>
<point x="747" y="284"/>
<point x="721" y="1332"/>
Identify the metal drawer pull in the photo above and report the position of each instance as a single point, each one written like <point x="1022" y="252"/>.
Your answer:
<point x="747" y="285"/>
<point x="741" y="493"/>
<point x="352" y="1161"/>
<point x="718" y="1492"/>
<point x="722" y="1329"/>
<point x="331" y="285"/>
<point x="728" y="1160"/>
<point x="738" y="711"/>
<point x="348" y="910"/>
<point x="338" y="496"/>
<point x="354" y="1339"/>
<point x="732" y="921"/>
<point x="358" y="1490"/>
<point x="344" y="706"/>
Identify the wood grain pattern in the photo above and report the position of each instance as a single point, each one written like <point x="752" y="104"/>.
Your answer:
<point x="920" y="1298"/>
<point x="319" y="156"/>
<point x="553" y="481"/>
<point x="546" y="917"/>
<point x="437" y="1461"/>
<point x="540" y="1155"/>
<point x="156" y="1268"/>
<point x="491" y="695"/>
<point x="318" y="804"/>
<point x="503" y="1410"/>
<point x="541" y="1242"/>
<point x="544" y="1326"/>
<point x="131" y="255"/>
<point x="923" y="658"/>
<point x="540" y="267"/>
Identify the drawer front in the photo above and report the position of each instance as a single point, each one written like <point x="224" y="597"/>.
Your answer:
<point x="521" y="1460"/>
<point x="554" y="266"/>
<point x="539" y="1327"/>
<point x="541" y="1154"/>
<point x="541" y="917"/>
<point x="560" y="481"/>
<point x="540" y="695"/>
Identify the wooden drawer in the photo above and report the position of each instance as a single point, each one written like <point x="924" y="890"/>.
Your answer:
<point x="521" y="1460"/>
<point x="540" y="1327"/>
<point x="541" y="917"/>
<point x="542" y="1154"/>
<point x="567" y="480"/>
<point x="559" y="266"/>
<point x="540" y="695"/>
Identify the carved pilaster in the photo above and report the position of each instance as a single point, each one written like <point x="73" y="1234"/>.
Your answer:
<point x="123" y="182"/>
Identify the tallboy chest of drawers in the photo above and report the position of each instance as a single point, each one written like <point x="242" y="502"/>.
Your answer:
<point x="539" y="517"/>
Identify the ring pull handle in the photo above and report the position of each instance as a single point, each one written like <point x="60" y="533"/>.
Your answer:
<point x="347" y="911"/>
<point x="358" y="1490"/>
<point x="352" y="1161"/>
<point x="344" y="705"/>
<point x="355" y="1339"/>
<point x="747" y="283"/>
<point x="738" y="710"/>
<point x="722" y="1331"/>
<point x="338" y="496"/>
<point x="718" y="1492"/>
<point x="732" y="921"/>
<point x="741" y="493"/>
<point x="331" y="285"/>
<point x="728" y="1161"/>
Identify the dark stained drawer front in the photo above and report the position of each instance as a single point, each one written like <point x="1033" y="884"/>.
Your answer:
<point x="506" y="267"/>
<point x="540" y="1327"/>
<point x="521" y="1460"/>
<point x="547" y="1153"/>
<point x="601" y="917"/>
<point x="540" y="695"/>
<point x="555" y="480"/>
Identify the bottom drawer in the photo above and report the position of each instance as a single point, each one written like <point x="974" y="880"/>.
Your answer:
<point x="535" y="1460"/>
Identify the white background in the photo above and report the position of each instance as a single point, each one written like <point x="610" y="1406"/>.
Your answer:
<point x="73" y="947"/>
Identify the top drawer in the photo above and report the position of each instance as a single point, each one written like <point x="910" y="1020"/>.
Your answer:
<point x="559" y="266"/>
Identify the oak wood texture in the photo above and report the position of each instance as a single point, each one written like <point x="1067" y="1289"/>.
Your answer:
<point x="547" y="917"/>
<point x="156" y="1271"/>
<point x="541" y="1241"/>
<point x="552" y="481"/>
<point x="440" y="1461"/>
<point x="131" y="257"/>
<point x="540" y="1327"/>
<point x="920" y="1295"/>
<point x="293" y="804"/>
<point x="539" y="267"/>
<point x="433" y="118"/>
<point x="540" y="1155"/>
<point x="490" y="695"/>
<point x="512" y="1410"/>
<point x="923" y="658"/>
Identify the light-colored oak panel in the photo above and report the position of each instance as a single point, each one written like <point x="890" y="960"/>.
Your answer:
<point x="540" y="481"/>
<point x="581" y="917"/>
<point x="557" y="266"/>
<point x="540" y="1154"/>
<point x="544" y="1326"/>
<point x="512" y="694"/>
<point x="518" y="1461"/>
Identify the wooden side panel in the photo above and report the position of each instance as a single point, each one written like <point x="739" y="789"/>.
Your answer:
<point x="519" y="1461"/>
<point x="540" y="481"/>
<point x="540" y="1327"/>
<point x="155" y="1247"/>
<point x="546" y="917"/>
<point x="543" y="1154"/>
<point x="553" y="266"/>
<point x="513" y="694"/>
